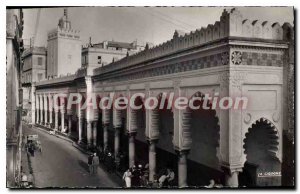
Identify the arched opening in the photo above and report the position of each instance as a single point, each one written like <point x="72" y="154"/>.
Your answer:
<point x="203" y="163"/>
<point x="141" y="147"/>
<point x="111" y="131"/>
<point x="99" y="123"/>
<point x="165" y="153"/>
<point x="74" y="120"/>
<point x="123" y="142"/>
<point x="262" y="167"/>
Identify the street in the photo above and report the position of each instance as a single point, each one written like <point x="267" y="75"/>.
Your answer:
<point x="62" y="165"/>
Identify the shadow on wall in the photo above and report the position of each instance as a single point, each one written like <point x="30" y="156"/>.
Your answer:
<point x="262" y="166"/>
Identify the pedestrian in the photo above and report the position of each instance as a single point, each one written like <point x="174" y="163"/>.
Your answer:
<point x="127" y="178"/>
<point x="155" y="183"/>
<point x="110" y="162"/>
<point x="24" y="180"/>
<point x="90" y="162"/>
<point x="144" y="180"/>
<point x="211" y="183"/>
<point x="95" y="163"/>
<point x="170" y="177"/>
<point x="140" y="174"/>
<point x="135" y="176"/>
<point x="163" y="180"/>
<point x="31" y="149"/>
<point x="30" y="179"/>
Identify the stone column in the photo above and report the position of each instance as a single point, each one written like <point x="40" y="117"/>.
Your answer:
<point x="105" y="123"/>
<point x="105" y="136"/>
<point x="69" y="125"/>
<point x="70" y="116"/>
<point x="89" y="110"/>
<point x="95" y="134"/>
<point x="117" y="122"/>
<point x="50" y="99"/>
<point x="152" y="159"/>
<point x="46" y="110"/>
<point x="117" y="143"/>
<point x="56" y="111"/>
<point x="33" y="104"/>
<point x="131" y="148"/>
<point x="231" y="177"/>
<point x="89" y="133"/>
<point x="62" y="111"/>
<point x="37" y="106"/>
<point x="182" y="169"/>
<point x="56" y="119"/>
<point x="132" y="130"/>
<point x="80" y="115"/>
<point x="152" y="134"/>
<point x="41" y="110"/>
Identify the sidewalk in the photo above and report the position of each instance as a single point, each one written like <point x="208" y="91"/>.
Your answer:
<point x="26" y="162"/>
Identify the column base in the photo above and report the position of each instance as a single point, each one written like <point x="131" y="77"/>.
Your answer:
<point x="231" y="177"/>
<point x="182" y="168"/>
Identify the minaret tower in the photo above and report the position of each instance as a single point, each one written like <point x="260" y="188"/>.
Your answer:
<point x="64" y="49"/>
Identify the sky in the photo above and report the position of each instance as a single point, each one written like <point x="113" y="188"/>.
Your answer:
<point x="145" y="24"/>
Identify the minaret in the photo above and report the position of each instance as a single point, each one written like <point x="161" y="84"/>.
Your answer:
<point x="64" y="23"/>
<point x="64" y="48"/>
<point x="66" y="13"/>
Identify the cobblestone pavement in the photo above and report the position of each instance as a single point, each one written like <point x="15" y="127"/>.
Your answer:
<point x="62" y="165"/>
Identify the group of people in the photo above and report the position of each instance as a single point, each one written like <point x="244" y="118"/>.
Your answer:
<point x="104" y="156"/>
<point x="111" y="163"/>
<point x="136" y="176"/>
<point x="139" y="177"/>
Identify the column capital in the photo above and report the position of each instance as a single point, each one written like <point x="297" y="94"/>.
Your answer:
<point x="105" y="116"/>
<point x="229" y="170"/>
<point x="117" y="120"/>
<point x="88" y="79"/>
<point x="131" y="134"/>
<point x="182" y="152"/>
<point x="152" y="141"/>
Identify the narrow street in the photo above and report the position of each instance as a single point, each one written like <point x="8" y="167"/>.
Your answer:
<point x="61" y="165"/>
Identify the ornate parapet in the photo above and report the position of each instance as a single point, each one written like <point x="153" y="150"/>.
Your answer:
<point x="231" y="24"/>
<point x="64" y="33"/>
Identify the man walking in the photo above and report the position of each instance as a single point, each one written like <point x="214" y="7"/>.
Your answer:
<point x="95" y="163"/>
<point x="90" y="162"/>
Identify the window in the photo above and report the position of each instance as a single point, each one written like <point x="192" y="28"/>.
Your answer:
<point x="40" y="76"/>
<point x="99" y="60"/>
<point x="40" y="61"/>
